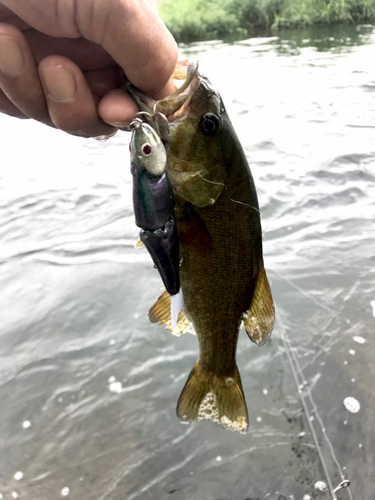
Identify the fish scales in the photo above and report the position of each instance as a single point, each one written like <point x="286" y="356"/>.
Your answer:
<point x="218" y="283"/>
<point x="220" y="243"/>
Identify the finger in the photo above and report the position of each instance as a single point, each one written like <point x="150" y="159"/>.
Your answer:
<point x="87" y="55"/>
<point x="71" y="104"/>
<point x="8" y="108"/>
<point x="149" y="55"/>
<point x="136" y="38"/>
<point x="103" y="81"/>
<point x="19" y="79"/>
<point x="117" y="108"/>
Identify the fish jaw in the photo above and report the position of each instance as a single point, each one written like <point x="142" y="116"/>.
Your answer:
<point x="186" y="71"/>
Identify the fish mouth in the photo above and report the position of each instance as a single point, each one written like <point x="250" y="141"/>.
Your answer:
<point x="186" y="77"/>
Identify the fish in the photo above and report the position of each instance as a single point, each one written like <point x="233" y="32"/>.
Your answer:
<point x="221" y="271"/>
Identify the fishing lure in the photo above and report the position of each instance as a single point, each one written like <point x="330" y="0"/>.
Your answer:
<point x="153" y="202"/>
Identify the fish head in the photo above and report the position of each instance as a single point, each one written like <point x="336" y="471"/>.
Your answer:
<point x="197" y="137"/>
<point x="196" y="144"/>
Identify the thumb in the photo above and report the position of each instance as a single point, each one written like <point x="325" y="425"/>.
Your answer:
<point x="137" y="39"/>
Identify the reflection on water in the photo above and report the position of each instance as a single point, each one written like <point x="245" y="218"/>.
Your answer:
<point x="88" y="387"/>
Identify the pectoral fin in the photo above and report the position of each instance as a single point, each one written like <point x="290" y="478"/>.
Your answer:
<point x="160" y="313"/>
<point x="259" y="320"/>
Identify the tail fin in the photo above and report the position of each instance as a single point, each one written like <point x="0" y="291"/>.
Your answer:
<point x="209" y="397"/>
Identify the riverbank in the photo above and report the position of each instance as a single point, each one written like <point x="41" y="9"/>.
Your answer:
<point x="194" y="20"/>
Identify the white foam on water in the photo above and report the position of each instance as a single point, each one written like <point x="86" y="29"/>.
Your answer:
<point x="352" y="352"/>
<point x="115" y="387"/>
<point x="208" y="409"/>
<point x="18" y="475"/>
<point x="65" y="491"/>
<point x="112" y="379"/>
<point x="352" y="405"/>
<point x="112" y="342"/>
<point x="14" y="494"/>
<point x="306" y="497"/>
<point x="26" y="424"/>
<point x="265" y="392"/>
<point x="218" y="459"/>
<point x="259" y="419"/>
<point x="320" y="486"/>
<point x="240" y="424"/>
<point x="373" y="307"/>
<point x="358" y="339"/>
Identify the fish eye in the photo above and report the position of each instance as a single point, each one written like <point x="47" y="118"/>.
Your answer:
<point x="146" y="149"/>
<point x="210" y="124"/>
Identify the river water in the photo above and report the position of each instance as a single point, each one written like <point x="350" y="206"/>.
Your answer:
<point x="88" y="387"/>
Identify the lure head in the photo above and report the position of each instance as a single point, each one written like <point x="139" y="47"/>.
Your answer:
<point x="153" y="199"/>
<point x="147" y="149"/>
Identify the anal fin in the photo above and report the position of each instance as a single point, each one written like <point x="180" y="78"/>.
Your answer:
<point x="259" y="320"/>
<point x="160" y="313"/>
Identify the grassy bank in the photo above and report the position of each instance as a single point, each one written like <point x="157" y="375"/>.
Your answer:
<point x="191" y="20"/>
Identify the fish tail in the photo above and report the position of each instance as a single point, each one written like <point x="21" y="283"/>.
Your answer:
<point x="220" y="399"/>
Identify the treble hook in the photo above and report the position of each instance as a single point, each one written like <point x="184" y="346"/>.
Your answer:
<point x="135" y="124"/>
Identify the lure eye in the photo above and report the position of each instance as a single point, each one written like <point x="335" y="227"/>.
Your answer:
<point x="146" y="149"/>
<point x="210" y="124"/>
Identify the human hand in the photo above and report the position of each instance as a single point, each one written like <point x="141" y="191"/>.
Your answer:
<point x="61" y="62"/>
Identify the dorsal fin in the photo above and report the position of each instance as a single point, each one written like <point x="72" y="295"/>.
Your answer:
<point x="160" y="313"/>
<point x="259" y="319"/>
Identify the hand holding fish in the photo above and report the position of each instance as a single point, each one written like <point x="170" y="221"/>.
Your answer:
<point x="61" y="62"/>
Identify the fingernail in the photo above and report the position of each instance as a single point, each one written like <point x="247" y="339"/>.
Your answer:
<point x="123" y="124"/>
<point x="59" y="83"/>
<point x="11" y="57"/>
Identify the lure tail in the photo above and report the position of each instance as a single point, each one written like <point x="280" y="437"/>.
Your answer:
<point x="220" y="399"/>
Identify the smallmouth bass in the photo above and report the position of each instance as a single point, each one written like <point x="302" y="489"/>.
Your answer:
<point x="221" y="271"/>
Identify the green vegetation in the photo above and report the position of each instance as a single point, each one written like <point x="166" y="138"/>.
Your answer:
<point x="191" y="20"/>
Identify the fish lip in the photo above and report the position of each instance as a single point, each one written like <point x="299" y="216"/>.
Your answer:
<point x="175" y="101"/>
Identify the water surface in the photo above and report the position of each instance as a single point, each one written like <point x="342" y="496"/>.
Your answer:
<point x="88" y="387"/>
